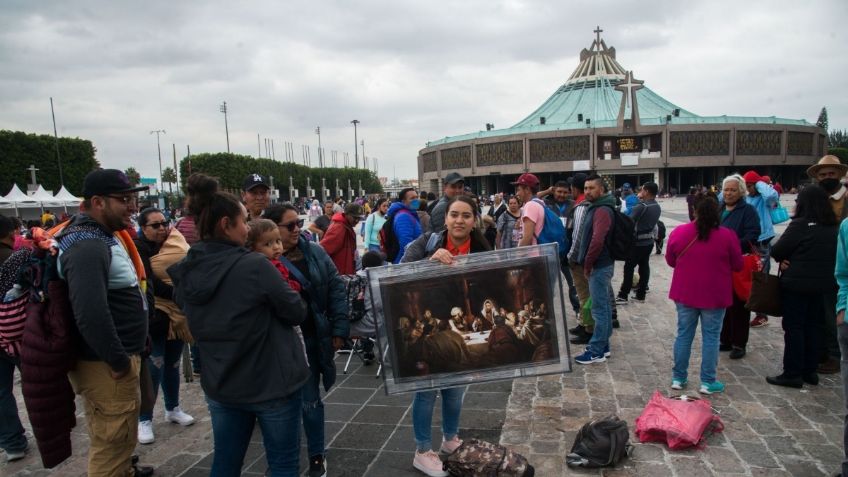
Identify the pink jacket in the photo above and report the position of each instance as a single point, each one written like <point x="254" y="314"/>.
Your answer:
<point x="702" y="275"/>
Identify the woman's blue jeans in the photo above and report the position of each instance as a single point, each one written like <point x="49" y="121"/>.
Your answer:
<point x="422" y="415"/>
<point x="12" y="438"/>
<point x="313" y="406"/>
<point x="687" y="322"/>
<point x="165" y="369"/>
<point x="232" y="426"/>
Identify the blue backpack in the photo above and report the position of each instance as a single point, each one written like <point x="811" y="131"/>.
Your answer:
<point x="553" y="231"/>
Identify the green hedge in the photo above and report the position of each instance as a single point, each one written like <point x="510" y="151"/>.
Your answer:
<point x="840" y="152"/>
<point x="231" y="169"/>
<point x="18" y="150"/>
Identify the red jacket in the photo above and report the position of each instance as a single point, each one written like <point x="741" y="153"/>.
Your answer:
<point x="340" y="244"/>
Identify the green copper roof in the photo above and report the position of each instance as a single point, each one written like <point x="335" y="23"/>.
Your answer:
<point x="595" y="90"/>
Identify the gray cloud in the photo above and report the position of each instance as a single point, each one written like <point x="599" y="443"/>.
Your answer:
<point x="410" y="71"/>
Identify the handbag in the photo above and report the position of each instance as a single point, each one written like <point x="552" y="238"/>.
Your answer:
<point x="742" y="280"/>
<point x="765" y="294"/>
<point x="681" y="422"/>
<point x="779" y="214"/>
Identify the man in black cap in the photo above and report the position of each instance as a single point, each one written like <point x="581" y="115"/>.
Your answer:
<point x="454" y="186"/>
<point x="110" y="306"/>
<point x="255" y="195"/>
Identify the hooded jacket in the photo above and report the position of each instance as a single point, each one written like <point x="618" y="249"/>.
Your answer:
<point x="593" y="251"/>
<point x="744" y="221"/>
<point x="241" y="314"/>
<point x="406" y="225"/>
<point x="340" y="244"/>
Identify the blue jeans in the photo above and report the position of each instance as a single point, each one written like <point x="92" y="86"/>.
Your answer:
<point x="12" y="438"/>
<point x="687" y="321"/>
<point x="422" y="415"/>
<point x="599" y="289"/>
<point x="313" y="407"/>
<point x="764" y="248"/>
<point x="232" y="426"/>
<point x="164" y="364"/>
<point x="374" y="247"/>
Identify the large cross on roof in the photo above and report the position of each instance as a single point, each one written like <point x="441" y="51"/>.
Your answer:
<point x="598" y="32"/>
<point x="629" y="87"/>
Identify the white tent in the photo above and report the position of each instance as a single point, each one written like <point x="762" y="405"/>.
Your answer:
<point x="66" y="199"/>
<point x="18" y="200"/>
<point x="45" y="198"/>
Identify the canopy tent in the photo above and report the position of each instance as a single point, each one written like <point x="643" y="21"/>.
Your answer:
<point x="66" y="198"/>
<point x="18" y="200"/>
<point x="45" y="198"/>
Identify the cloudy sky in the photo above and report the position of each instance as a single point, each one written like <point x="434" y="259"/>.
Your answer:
<point x="409" y="71"/>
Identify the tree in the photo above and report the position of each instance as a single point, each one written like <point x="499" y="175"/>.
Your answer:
<point x="822" y="120"/>
<point x="838" y="138"/>
<point x="18" y="150"/>
<point x="169" y="176"/>
<point x="133" y="175"/>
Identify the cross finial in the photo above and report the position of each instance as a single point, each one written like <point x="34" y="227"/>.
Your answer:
<point x="598" y="32"/>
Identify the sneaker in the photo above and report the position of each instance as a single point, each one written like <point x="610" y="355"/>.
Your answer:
<point x="712" y="388"/>
<point x="607" y="353"/>
<point x="582" y="338"/>
<point x="759" y="321"/>
<point x="639" y="300"/>
<point x="576" y="330"/>
<point x="448" y="447"/>
<point x="588" y="358"/>
<point x="145" y="432"/>
<point x="615" y="323"/>
<point x="17" y="455"/>
<point x="178" y="416"/>
<point x="619" y="300"/>
<point x="317" y="466"/>
<point x="678" y="384"/>
<point x="142" y="470"/>
<point x="429" y="463"/>
<point x="737" y="353"/>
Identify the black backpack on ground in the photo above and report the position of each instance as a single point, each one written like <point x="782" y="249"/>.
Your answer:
<point x="600" y="443"/>
<point x="478" y="458"/>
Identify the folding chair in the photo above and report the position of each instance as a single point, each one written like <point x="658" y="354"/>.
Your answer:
<point x="355" y="349"/>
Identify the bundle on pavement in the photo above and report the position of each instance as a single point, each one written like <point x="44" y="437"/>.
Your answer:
<point x="680" y="422"/>
<point x="478" y="458"/>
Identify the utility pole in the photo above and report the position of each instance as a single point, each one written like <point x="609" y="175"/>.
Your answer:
<point x="176" y="171"/>
<point x="56" y="141"/>
<point x="355" y="145"/>
<point x="320" y="153"/>
<point x="364" y="161"/>
<point x="226" y="126"/>
<point x="159" y="149"/>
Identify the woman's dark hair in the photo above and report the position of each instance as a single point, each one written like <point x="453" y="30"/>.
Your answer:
<point x="142" y="216"/>
<point x="275" y="212"/>
<point x="379" y="203"/>
<point x="706" y="216"/>
<point x="813" y="205"/>
<point x="209" y="205"/>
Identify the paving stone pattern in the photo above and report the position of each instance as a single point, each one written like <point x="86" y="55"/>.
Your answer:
<point x="769" y="431"/>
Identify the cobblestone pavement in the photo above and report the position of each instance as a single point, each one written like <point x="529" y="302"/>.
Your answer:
<point x="768" y="430"/>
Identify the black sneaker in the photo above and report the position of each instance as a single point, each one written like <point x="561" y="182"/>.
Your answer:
<point x="317" y="467"/>
<point x="368" y="358"/>
<point x="615" y="323"/>
<point x="582" y="338"/>
<point x="142" y="470"/>
<point x="576" y="330"/>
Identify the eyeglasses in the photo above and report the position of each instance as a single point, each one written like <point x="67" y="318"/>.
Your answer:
<point x="292" y="225"/>
<point x="125" y="199"/>
<point x="156" y="225"/>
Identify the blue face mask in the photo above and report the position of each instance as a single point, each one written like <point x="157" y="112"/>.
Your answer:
<point x="414" y="204"/>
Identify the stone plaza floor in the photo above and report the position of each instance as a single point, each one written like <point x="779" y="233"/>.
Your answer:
<point x="768" y="430"/>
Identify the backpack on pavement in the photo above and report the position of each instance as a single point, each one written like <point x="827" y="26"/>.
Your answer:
<point x="600" y="443"/>
<point x="553" y="230"/>
<point x="622" y="236"/>
<point x="355" y="296"/>
<point x="478" y="458"/>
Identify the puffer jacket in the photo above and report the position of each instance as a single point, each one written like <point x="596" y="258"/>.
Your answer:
<point x="810" y="249"/>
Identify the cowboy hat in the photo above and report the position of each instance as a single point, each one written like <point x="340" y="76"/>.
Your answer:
<point x="827" y="161"/>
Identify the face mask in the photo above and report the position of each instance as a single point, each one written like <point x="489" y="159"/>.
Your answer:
<point x="830" y="184"/>
<point x="414" y="204"/>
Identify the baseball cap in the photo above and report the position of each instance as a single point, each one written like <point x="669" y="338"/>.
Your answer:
<point x="454" y="177"/>
<point x="106" y="182"/>
<point x="254" y="180"/>
<point x="354" y="210"/>
<point x="751" y="177"/>
<point x="528" y="180"/>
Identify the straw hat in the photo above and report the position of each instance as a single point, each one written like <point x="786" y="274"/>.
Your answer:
<point x="826" y="161"/>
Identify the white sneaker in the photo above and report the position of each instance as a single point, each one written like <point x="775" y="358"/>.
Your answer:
<point x="429" y="463"/>
<point x="178" y="416"/>
<point x="448" y="447"/>
<point x="17" y="455"/>
<point x="145" y="432"/>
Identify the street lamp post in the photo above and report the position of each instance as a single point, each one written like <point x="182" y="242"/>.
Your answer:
<point x="364" y="161"/>
<point x="355" y="143"/>
<point x="159" y="149"/>
<point x="320" y="154"/>
<point x="226" y="126"/>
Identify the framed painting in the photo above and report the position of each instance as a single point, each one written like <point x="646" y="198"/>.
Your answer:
<point x="490" y="316"/>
